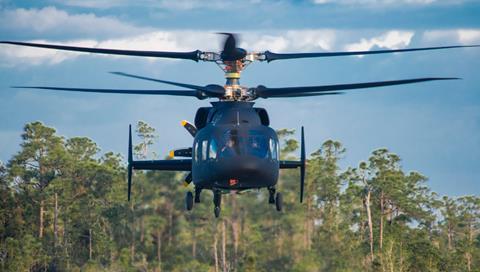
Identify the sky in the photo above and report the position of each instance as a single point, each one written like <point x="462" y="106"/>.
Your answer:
<point x="434" y="127"/>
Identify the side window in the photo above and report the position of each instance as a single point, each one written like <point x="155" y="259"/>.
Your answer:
<point x="204" y="149"/>
<point x="198" y="154"/>
<point x="273" y="149"/>
<point x="212" y="152"/>
<point x="194" y="151"/>
<point x="217" y="117"/>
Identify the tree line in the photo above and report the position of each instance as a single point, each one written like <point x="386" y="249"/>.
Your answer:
<point x="63" y="207"/>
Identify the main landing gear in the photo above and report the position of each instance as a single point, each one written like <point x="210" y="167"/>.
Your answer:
<point x="275" y="198"/>
<point x="189" y="201"/>
<point x="189" y="198"/>
<point x="217" y="200"/>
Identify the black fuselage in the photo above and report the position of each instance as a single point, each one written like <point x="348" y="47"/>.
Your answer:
<point x="234" y="148"/>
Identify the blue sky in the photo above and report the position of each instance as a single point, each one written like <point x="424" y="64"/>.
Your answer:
<point x="434" y="127"/>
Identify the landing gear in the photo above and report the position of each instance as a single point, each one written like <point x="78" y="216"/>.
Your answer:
<point x="271" y="195"/>
<point x="216" y="210"/>
<point x="217" y="201"/>
<point x="275" y="198"/>
<point x="189" y="201"/>
<point x="279" y="202"/>
<point x="197" y="194"/>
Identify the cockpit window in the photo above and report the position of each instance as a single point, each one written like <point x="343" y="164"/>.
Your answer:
<point x="231" y="144"/>
<point x="217" y="117"/>
<point x="258" y="146"/>
<point x="194" y="149"/>
<point x="198" y="151"/>
<point x="273" y="149"/>
<point x="204" y="149"/>
<point x="212" y="151"/>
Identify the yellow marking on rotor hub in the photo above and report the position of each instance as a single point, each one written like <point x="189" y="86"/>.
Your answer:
<point x="184" y="122"/>
<point x="232" y="75"/>
<point x="171" y="154"/>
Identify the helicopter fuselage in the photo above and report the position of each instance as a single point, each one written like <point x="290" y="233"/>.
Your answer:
<point x="234" y="148"/>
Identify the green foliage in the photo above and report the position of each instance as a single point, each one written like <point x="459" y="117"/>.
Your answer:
<point x="63" y="207"/>
<point x="147" y="135"/>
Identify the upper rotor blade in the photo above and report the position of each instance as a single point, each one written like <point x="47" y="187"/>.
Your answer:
<point x="306" y="94"/>
<point x="194" y="55"/>
<point x="116" y="91"/>
<point x="265" y="92"/>
<point x="230" y="42"/>
<point x="270" y="56"/>
<point x="230" y="50"/>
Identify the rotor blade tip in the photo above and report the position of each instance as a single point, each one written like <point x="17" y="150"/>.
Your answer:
<point x="24" y="87"/>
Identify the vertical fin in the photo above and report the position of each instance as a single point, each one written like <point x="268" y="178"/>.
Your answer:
<point x="302" y="167"/>
<point x="130" y="160"/>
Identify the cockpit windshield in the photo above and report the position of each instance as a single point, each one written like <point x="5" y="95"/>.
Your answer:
<point x="258" y="146"/>
<point x="231" y="144"/>
<point x="255" y="143"/>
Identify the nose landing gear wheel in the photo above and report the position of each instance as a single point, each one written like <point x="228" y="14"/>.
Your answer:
<point x="189" y="201"/>
<point x="279" y="202"/>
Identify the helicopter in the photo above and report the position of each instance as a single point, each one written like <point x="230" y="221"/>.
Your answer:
<point x="234" y="148"/>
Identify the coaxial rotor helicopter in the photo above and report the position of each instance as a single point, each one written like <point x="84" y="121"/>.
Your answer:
<point x="234" y="148"/>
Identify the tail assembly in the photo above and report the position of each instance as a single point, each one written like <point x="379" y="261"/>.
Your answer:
<point x="298" y="164"/>
<point x="130" y="161"/>
<point x="162" y="165"/>
<point x="302" y="166"/>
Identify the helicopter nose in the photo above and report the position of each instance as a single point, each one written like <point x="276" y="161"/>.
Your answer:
<point x="238" y="165"/>
<point x="245" y="168"/>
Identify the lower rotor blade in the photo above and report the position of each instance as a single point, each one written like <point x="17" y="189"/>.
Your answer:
<point x="265" y="92"/>
<point x="116" y="91"/>
<point x="191" y="86"/>
<point x="211" y="90"/>
<point x="194" y="55"/>
<point x="270" y="56"/>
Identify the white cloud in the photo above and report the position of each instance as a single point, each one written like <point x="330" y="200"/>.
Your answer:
<point x="387" y="2"/>
<point x="50" y="20"/>
<point x="11" y="55"/>
<point x="390" y="40"/>
<point x="459" y="36"/>
<point x="291" y="40"/>
<point x="156" y="4"/>
<point x="287" y="41"/>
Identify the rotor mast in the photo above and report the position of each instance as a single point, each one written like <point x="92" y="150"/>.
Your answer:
<point x="232" y="70"/>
